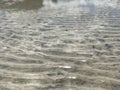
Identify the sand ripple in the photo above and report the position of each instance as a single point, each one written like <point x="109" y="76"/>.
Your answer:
<point x="68" y="48"/>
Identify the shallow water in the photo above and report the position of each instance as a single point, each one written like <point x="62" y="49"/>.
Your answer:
<point x="59" y="45"/>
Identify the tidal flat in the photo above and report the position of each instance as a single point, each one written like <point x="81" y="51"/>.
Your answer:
<point x="59" y="45"/>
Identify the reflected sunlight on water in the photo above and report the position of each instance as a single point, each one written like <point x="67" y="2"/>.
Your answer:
<point x="59" y="45"/>
<point x="36" y="4"/>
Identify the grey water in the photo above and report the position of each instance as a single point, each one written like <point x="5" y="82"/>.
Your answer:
<point x="59" y="44"/>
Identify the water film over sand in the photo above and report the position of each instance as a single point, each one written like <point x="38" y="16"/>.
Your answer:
<point x="59" y="45"/>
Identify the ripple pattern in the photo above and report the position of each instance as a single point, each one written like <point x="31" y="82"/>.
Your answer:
<point x="60" y="49"/>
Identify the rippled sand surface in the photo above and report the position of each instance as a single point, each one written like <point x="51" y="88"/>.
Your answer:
<point x="60" y="45"/>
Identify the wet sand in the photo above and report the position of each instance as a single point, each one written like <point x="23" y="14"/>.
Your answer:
<point x="60" y="45"/>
